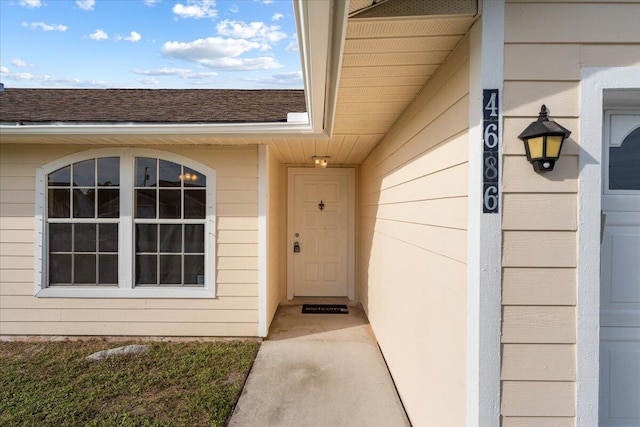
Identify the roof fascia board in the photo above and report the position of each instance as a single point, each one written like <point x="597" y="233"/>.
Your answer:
<point x="158" y="129"/>
<point x="322" y="26"/>
<point x="340" y="17"/>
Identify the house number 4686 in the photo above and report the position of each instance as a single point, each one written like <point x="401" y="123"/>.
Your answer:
<point x="490" y="157"/>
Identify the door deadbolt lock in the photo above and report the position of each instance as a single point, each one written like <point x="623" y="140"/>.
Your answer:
<point x="296" y="247"/>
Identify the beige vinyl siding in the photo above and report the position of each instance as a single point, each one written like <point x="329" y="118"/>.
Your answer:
<point x="540" y="211"/>
<point x="277" y="233"/>
<point x="412" y="246"/>
<point x="232" y="313"/>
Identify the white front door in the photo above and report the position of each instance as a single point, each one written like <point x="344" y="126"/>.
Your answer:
<point x="319" y="232"/>
<point x="620" y="272"/>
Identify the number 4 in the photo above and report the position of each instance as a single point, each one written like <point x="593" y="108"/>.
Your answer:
<point x="492" y="105"/>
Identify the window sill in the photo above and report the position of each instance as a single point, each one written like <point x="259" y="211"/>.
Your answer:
<point x="181" y="293"/>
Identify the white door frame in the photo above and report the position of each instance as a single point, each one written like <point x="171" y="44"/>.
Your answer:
<point x="351" y="233"/>
<point x="593" y="84"/>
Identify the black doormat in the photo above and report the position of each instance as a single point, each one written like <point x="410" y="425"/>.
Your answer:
<point x="324" y="309"/>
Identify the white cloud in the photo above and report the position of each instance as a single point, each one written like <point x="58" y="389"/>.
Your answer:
<point x="151" y="3"/>
<point x="292" y="46"/>
<point x="45" y="27"/>
<point x="183" y="73"/>
<point x="211" y="47"/>
<point x="99" y="35"/>
<point x="218" y="52"/>
<point x="132" y="37"/>
<point x="244" y="64"/>
<point x="264" y="1"/>
<point x="31" y="4"/>
<point x="19" y="63"/>
<point x="196" y="9"/>
<point x="277" y="17"/>
<point x="86" y="4"/>
<point x="50" y="81"/>
<point x="234" y="9"/>
<point x="288" y="80"/>
<point x="149" y="81"/>
<point x="257" y="31"/>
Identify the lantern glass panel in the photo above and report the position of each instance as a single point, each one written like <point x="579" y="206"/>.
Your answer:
<point x="535" y="147"/>
<point x="554" y="142"/>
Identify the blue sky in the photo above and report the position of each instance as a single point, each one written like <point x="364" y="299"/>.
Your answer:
<point x="196" y="44"/>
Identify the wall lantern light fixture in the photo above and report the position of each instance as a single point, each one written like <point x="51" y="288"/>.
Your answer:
<point x="543" y="141"/>
<point x="321" y="161"/>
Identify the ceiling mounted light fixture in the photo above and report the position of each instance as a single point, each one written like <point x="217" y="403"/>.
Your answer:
<point x="321" y="161"/>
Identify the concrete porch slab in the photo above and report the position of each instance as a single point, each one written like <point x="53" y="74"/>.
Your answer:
<point x="319" y="370"/>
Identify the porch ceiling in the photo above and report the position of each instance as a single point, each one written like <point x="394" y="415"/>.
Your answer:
<point x="386" y="61"/>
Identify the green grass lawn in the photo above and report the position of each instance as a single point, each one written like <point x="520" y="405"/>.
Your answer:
<point x="174" y="384"/>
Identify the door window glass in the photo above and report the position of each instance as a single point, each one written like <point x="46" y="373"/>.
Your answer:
<point x="624" y="163"/>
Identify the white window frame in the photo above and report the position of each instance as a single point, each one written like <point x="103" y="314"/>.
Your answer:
<point x="126" y="287"/>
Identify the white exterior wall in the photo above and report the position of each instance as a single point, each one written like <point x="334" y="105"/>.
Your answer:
<point x="412" y="246"/>
<point x="546" y="46"/>
<point x="233" y="313"/>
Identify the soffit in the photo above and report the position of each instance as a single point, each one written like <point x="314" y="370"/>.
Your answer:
<point x="386" y="63"/>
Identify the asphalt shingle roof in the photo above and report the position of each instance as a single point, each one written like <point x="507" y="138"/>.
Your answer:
<point x="149" y="105"/>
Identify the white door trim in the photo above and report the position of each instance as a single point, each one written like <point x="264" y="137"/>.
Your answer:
<point x="351" y="212"/>
<point x="593" y="83"/>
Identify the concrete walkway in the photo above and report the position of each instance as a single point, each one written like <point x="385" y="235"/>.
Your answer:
<point x="319" y="370"/>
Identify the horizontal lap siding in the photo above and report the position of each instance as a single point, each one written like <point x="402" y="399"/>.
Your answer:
<point x="276" y="236"/>
<point x="540" y="211"/>
<point x="232" y="313"/>
<point x="412" y="246"/>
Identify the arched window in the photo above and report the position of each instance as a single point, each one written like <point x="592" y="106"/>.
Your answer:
<point x="126" y="223"/>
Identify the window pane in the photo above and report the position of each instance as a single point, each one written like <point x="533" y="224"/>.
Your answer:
<point x="84" y="269"/>
<point x="145" y="203"/>
<point x="170" y="206"/>
<point x="146" y="270"/>
<point x="61" y="177"/>
<point x="84" y="238"/>
<point x="193" y="178"/>
<point x="108" y="203"/>
<point x="108" y="237"/>
<point x="194" y="238"/>
<point x="108" y="269"/>
<point x="170" y="238"/>
<point x="145" y="172"/>
<point x="146" y="238"/>
<point x="60" y="237"/>
<point x="194" y="270"/>
<point x="84" y="173"/>
<point x="170" y="269"/>
<point x="59" y="269"/>
<point x="109" y="171"/>
<point x="59" y="205"/>
<point x="194" y="204"/>
<point x="84" y="203"/>
<point x="624" y="163"/>
<point x="170" y="174"/>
